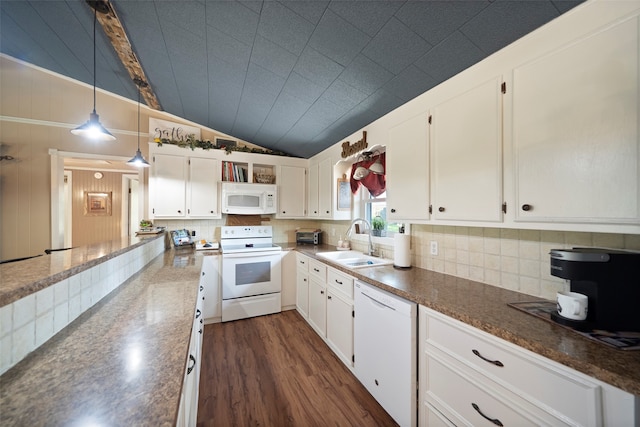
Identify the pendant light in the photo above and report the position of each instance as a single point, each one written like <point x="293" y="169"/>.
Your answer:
<point x="138" y="160"/>
<point x="93" y="129"/>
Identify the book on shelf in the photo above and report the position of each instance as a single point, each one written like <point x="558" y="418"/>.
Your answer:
<point x="233" y="172"/>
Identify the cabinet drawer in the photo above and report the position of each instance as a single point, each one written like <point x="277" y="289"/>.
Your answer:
<point x="302" y="262"/>
<point x="318" y="270"/>
<point x="340" y="282"/>
<point x="465" y="399"/>
<point x="551" y="386"/>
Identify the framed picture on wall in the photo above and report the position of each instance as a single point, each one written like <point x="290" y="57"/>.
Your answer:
<point x="97" y="204"/>
<point x="344" y="194"/>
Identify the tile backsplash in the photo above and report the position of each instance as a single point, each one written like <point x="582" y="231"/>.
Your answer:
<point x="508" y="258"/>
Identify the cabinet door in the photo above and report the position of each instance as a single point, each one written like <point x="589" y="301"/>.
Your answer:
<point x="407" y="174"/>
<point x="575" y="131"/>
<point x="318" y="306"/>
<point x="325" y="183"/>
<point x="340" y="326"/>
<point x="168" y="191"/>
<point x="302" y="293"/>
<point x="291" y="194"/>
<point x="289" y="280"/>
<point x="466" y="141"/>
<point x="203" y="188"/>
<point x="313" y="203"/>
<point x="210" y="280"/>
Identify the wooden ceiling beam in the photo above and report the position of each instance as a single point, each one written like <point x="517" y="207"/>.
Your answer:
<point x="114" y="30"/>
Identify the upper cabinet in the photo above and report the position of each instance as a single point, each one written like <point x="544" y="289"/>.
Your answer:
<point x="320" y="185"/>
<point x="575" y="131"/>
<point x="168" y="186"/>
<point x="407" y="170"/>
<point x="291" y="192"/>
<point x="466" y="155"/>
<point x="202" y="196"/>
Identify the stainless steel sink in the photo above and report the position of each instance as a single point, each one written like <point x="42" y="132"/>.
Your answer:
<point x="354" y="259"/>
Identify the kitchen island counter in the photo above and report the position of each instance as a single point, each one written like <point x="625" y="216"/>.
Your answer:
<point x="121" y="362"/>
<point x="486" y="307"/>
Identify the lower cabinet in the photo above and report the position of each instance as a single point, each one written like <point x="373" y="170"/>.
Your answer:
<point x="188" y="410"/>
<point x="210" y="284"/>
<point x="325" y="300"/>
<point x="470" y="377"/>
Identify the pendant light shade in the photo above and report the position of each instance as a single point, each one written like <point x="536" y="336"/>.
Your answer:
<point x="93" y="129"/>
<point x="138" y="160"/>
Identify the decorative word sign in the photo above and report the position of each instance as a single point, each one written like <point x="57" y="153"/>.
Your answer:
<point x="162" y="129"/>
<point x="349" y="150"/>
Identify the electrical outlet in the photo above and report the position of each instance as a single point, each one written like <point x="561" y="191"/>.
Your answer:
<point x="434" y="247"/>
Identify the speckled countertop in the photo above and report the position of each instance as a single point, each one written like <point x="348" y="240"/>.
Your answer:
<point x="120" y="363"/>
<point x="19" y="279"/>
<point x="485" y="307"/>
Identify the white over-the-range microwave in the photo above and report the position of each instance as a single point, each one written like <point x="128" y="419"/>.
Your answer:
<point x="248" y="199"/>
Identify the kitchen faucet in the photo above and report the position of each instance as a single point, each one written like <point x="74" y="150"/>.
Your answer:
<point x="370" y="248"/>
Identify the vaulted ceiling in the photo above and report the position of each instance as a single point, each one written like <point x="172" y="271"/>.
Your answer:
<point x="294" y="76"/>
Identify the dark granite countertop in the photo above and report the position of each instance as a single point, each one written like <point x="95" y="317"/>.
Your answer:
<point x="485" y="307"/>
<point x="23" y="278"/>
<point x="120" y="363"/>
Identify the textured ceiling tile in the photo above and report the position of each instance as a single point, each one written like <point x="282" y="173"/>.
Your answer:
<point x="188" y="15"/>
<point x="272" y="57"/>
<point x="222" y="73"/>
<point x="410" y="83"/>
<point x="285" y="113"/>
<point x="317" y="68"/>
<point x="338" y="39"/>
<point x="368" y="16"/>
<point x="223" y="46"/>
<point x="565" y="5"/>
<point x="365" y="75"/>
<point x="285" y="28"/>
<point x="311" y="10"/>
<point x="395" y="47"/>
<point x="303" y="88"/>
<point x="450" y="57"/>
<point x="256" y="6"/>
<point x="340" y="93"/>
<point x="261" y="79"/>
<point x="435" y="20"/>
<point x="233" y="18"/>
<point x="505" y="21"/>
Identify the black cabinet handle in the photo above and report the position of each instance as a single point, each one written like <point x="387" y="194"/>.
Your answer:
<point x="179" y="211"/>
<point x="393" y="211"/>
<point x="493" y="420"/>
<point x="441" y="209"/>
<point x="190" y="368"/>
<point x="328" y="296"/>
<point x="494" y="362"/>
<point x="321" y="292"/>
<point x="211" y="211"/>
<point x="316" y="270"/>
<point x="526" y="207"/>
<point x="201" y="288"/>
<point x="284" y="212"/>
<point x="198" y="313"/>
<point x="338" y="282"/>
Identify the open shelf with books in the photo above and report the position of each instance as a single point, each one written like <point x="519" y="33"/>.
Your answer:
<point x="234" y="171"/>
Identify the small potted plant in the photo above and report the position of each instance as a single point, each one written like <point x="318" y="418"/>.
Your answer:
<point x="378" y="225"/>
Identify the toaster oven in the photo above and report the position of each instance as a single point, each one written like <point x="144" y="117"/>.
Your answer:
<point x="309" y="236"/>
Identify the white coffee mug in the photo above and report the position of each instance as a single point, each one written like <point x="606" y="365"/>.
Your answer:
<point x="572" y="305"/>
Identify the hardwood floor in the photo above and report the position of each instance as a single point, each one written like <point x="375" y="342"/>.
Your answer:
<point x="276" y="371"/>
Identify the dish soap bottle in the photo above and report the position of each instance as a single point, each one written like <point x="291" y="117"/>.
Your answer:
<point x="340" y="242"/>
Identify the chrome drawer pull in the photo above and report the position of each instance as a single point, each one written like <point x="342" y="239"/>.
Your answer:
<point x="493" y="420"/>
<point x="495" y="362"/>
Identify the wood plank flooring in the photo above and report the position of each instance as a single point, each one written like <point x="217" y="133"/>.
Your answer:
<point x="276" y="371"/>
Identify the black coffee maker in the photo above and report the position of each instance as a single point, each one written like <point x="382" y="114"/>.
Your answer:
<point x="611" y="281"/>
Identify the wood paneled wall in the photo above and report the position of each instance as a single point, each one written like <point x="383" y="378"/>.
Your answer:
<point x="87" y="228"/>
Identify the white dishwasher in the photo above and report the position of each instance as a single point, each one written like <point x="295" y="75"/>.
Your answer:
<point x="385" y="350"/>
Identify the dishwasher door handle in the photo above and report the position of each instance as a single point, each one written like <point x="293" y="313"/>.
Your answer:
<point x="377" y="302"/>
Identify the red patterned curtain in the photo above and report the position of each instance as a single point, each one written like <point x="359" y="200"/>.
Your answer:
<point x="376" y="184"/>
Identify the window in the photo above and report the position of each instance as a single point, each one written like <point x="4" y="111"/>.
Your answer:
<point x="377" y="207"/>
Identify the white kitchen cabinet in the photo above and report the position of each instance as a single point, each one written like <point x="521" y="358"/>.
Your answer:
<point x="288" y="295"/>
<point x="466" y="156"/>
<point x="318" y="306"/>
<point x="210" y="282"/>
<point x="291" y="192"/>
<point x="407" y="170"/>
<point x="202" y="188"/>
<point x="467" y="375"/>
<point x="168" y="186"/>
<point x="340" y="325"/>
<point x="302" y="284"/>
<point x="576" y="142"/>
<point x="320" y="189"/>
<point x="184" y="187"/>
<point x="188" y="407"/>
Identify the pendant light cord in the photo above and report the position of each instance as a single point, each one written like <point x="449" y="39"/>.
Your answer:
<point x="95" y="18"/>
<point x="138" y="116"/>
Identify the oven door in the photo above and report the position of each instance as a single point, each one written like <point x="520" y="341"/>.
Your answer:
<point x="251" y="273"/>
